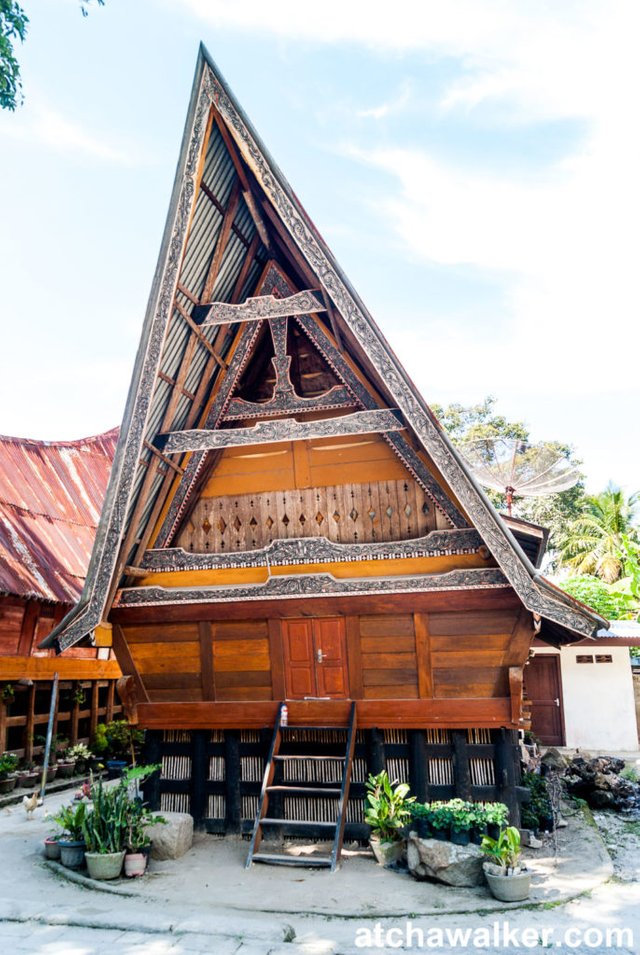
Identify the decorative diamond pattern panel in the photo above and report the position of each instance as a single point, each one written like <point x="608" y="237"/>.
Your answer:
<point x="350" y="513"/>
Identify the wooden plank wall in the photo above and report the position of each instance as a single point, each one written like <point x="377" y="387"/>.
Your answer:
<point x="401" y="656"/>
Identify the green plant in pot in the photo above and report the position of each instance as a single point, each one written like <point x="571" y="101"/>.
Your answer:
<point x="508" y="880"/>
<point x="387" y="811"/>
<point x="72" y="845"/>
<point x="463" y="818"/>
<point x="138" y="843"/>
<point x="496" y="817"/>
<point x="8" y="766"/>
<point x="80" y="754"/>
<point x="107" y="826"/>
<point x="440" y="820"/>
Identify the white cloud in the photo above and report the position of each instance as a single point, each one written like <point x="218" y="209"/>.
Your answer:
<point x="42" y="126"/>
<point x="390" y="107"/>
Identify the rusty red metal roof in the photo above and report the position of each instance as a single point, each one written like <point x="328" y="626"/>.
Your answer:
<point x="51" y="495"/>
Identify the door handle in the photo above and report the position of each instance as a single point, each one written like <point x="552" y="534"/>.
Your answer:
<point x="319" y="655"/>
<point x="557" y="701"/>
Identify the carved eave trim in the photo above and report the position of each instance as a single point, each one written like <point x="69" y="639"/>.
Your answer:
<point x="259" y="307"/>
<point x="315" y="550"/>
<point x="284" y="429"/>
<point x="313" y="585"/>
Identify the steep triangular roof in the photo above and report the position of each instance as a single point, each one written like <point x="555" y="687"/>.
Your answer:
<point x="228" y="187"/>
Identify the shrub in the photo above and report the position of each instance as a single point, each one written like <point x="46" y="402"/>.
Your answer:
<point x="387" y="809"/>
<point x="8" y="764"/>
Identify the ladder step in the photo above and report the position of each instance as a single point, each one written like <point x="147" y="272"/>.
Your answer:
<point x="304" y="790"/>
<point x="281" y="757"/>
<point x="297" y="823"/>
<point x="306" y="861"/>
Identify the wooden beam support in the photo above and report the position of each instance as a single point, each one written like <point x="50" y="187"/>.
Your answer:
<point x="195" y="328"/>
<point x="221" y="244"/>
<point x="121" y="649"/>
<point x="282" y="429"/>
<point x="170" y="464"/>
<point x="408" y="714"/>
<point x="423" y="655"/>
<point x="261" y="307"/>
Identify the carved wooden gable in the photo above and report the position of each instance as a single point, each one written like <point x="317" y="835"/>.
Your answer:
<point x="345" y="488"/>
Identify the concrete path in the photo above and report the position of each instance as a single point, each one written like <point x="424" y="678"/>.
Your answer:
<point x="207" y="902"/>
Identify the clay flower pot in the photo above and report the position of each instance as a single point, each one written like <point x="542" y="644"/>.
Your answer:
<point x="103" y="866"/>
<point x="8" y="785"/>
<point x="52" y="848"/>
<point x="135" y="864"/>
<point x="29" y="779"/>
<point x="65" y="768"/>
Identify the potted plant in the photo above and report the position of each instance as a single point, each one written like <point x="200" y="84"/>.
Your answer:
<point x="138" y="844"/>
<point x="8" y="694"/>
<point x="115" y="816"/>
<point x="8" y="766"/>
<point x="508" y="880"/>
<point x="440" y="820"/>
<point x="52" y="846"/>
<point x="28" y="776"/>
<point x="387" y="811"/>
<point x="420" y="819"/>
<point x="463" y="817"/>
<point x="496" y="816"/>
<point x="72" y="844"/>
<point x="81" y="755"/>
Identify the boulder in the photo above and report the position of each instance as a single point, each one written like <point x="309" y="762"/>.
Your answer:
<point x="444" y="861"/>
<point x="554" y="760"/>
<point x="172" y="839"/>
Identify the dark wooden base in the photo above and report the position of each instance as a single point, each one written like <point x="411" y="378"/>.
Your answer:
<point x="222" y="787"/>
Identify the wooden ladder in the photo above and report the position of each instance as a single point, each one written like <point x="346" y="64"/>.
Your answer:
<point x="312" y="790"/>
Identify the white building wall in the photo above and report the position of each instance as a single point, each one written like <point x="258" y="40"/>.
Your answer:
<point x="598" y="698"/>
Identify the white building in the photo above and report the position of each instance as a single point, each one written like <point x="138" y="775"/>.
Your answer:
<point x="582" y="695"/>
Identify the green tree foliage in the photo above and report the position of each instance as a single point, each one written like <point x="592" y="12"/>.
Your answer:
<point x="13" y="28"/>
<point x="611" y="602"/>
<point x="481" y="422"/>
<point x="601" y="539"/>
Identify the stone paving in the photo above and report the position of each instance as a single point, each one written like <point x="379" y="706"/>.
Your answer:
<point x="41" y="914"/>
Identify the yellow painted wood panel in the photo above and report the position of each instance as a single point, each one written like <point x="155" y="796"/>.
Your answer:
<point x="166" y="657"/>
<point x="44" y="668"/>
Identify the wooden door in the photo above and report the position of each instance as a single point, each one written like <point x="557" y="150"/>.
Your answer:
<point x="543" y="688"/>
<point x="315" y="659"/>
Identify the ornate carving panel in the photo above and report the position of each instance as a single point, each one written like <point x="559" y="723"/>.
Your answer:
<point x="348" y="514"/>
<point x="314" y="585"/>
<point x="315" y="550"/>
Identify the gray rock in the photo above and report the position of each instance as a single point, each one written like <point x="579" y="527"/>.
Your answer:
<point x="172" y="839"/>
<point x="553" y="759"/>
<point x="444" y="861"/>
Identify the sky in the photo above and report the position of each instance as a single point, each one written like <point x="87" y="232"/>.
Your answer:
<point x="473" y="164"/>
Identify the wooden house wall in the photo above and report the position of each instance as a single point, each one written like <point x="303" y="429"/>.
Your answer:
<point x="441" y="656"/>
<point x="87" y="680"/>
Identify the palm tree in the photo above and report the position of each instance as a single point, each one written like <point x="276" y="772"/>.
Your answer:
<point x="594" y="543"/>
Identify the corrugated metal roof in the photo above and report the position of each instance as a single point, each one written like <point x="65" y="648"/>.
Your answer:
<point x="51" y="495"/>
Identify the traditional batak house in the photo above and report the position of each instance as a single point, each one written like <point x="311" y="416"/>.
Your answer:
<point x="287" y="521"/>
<point x="51" y="494"/>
